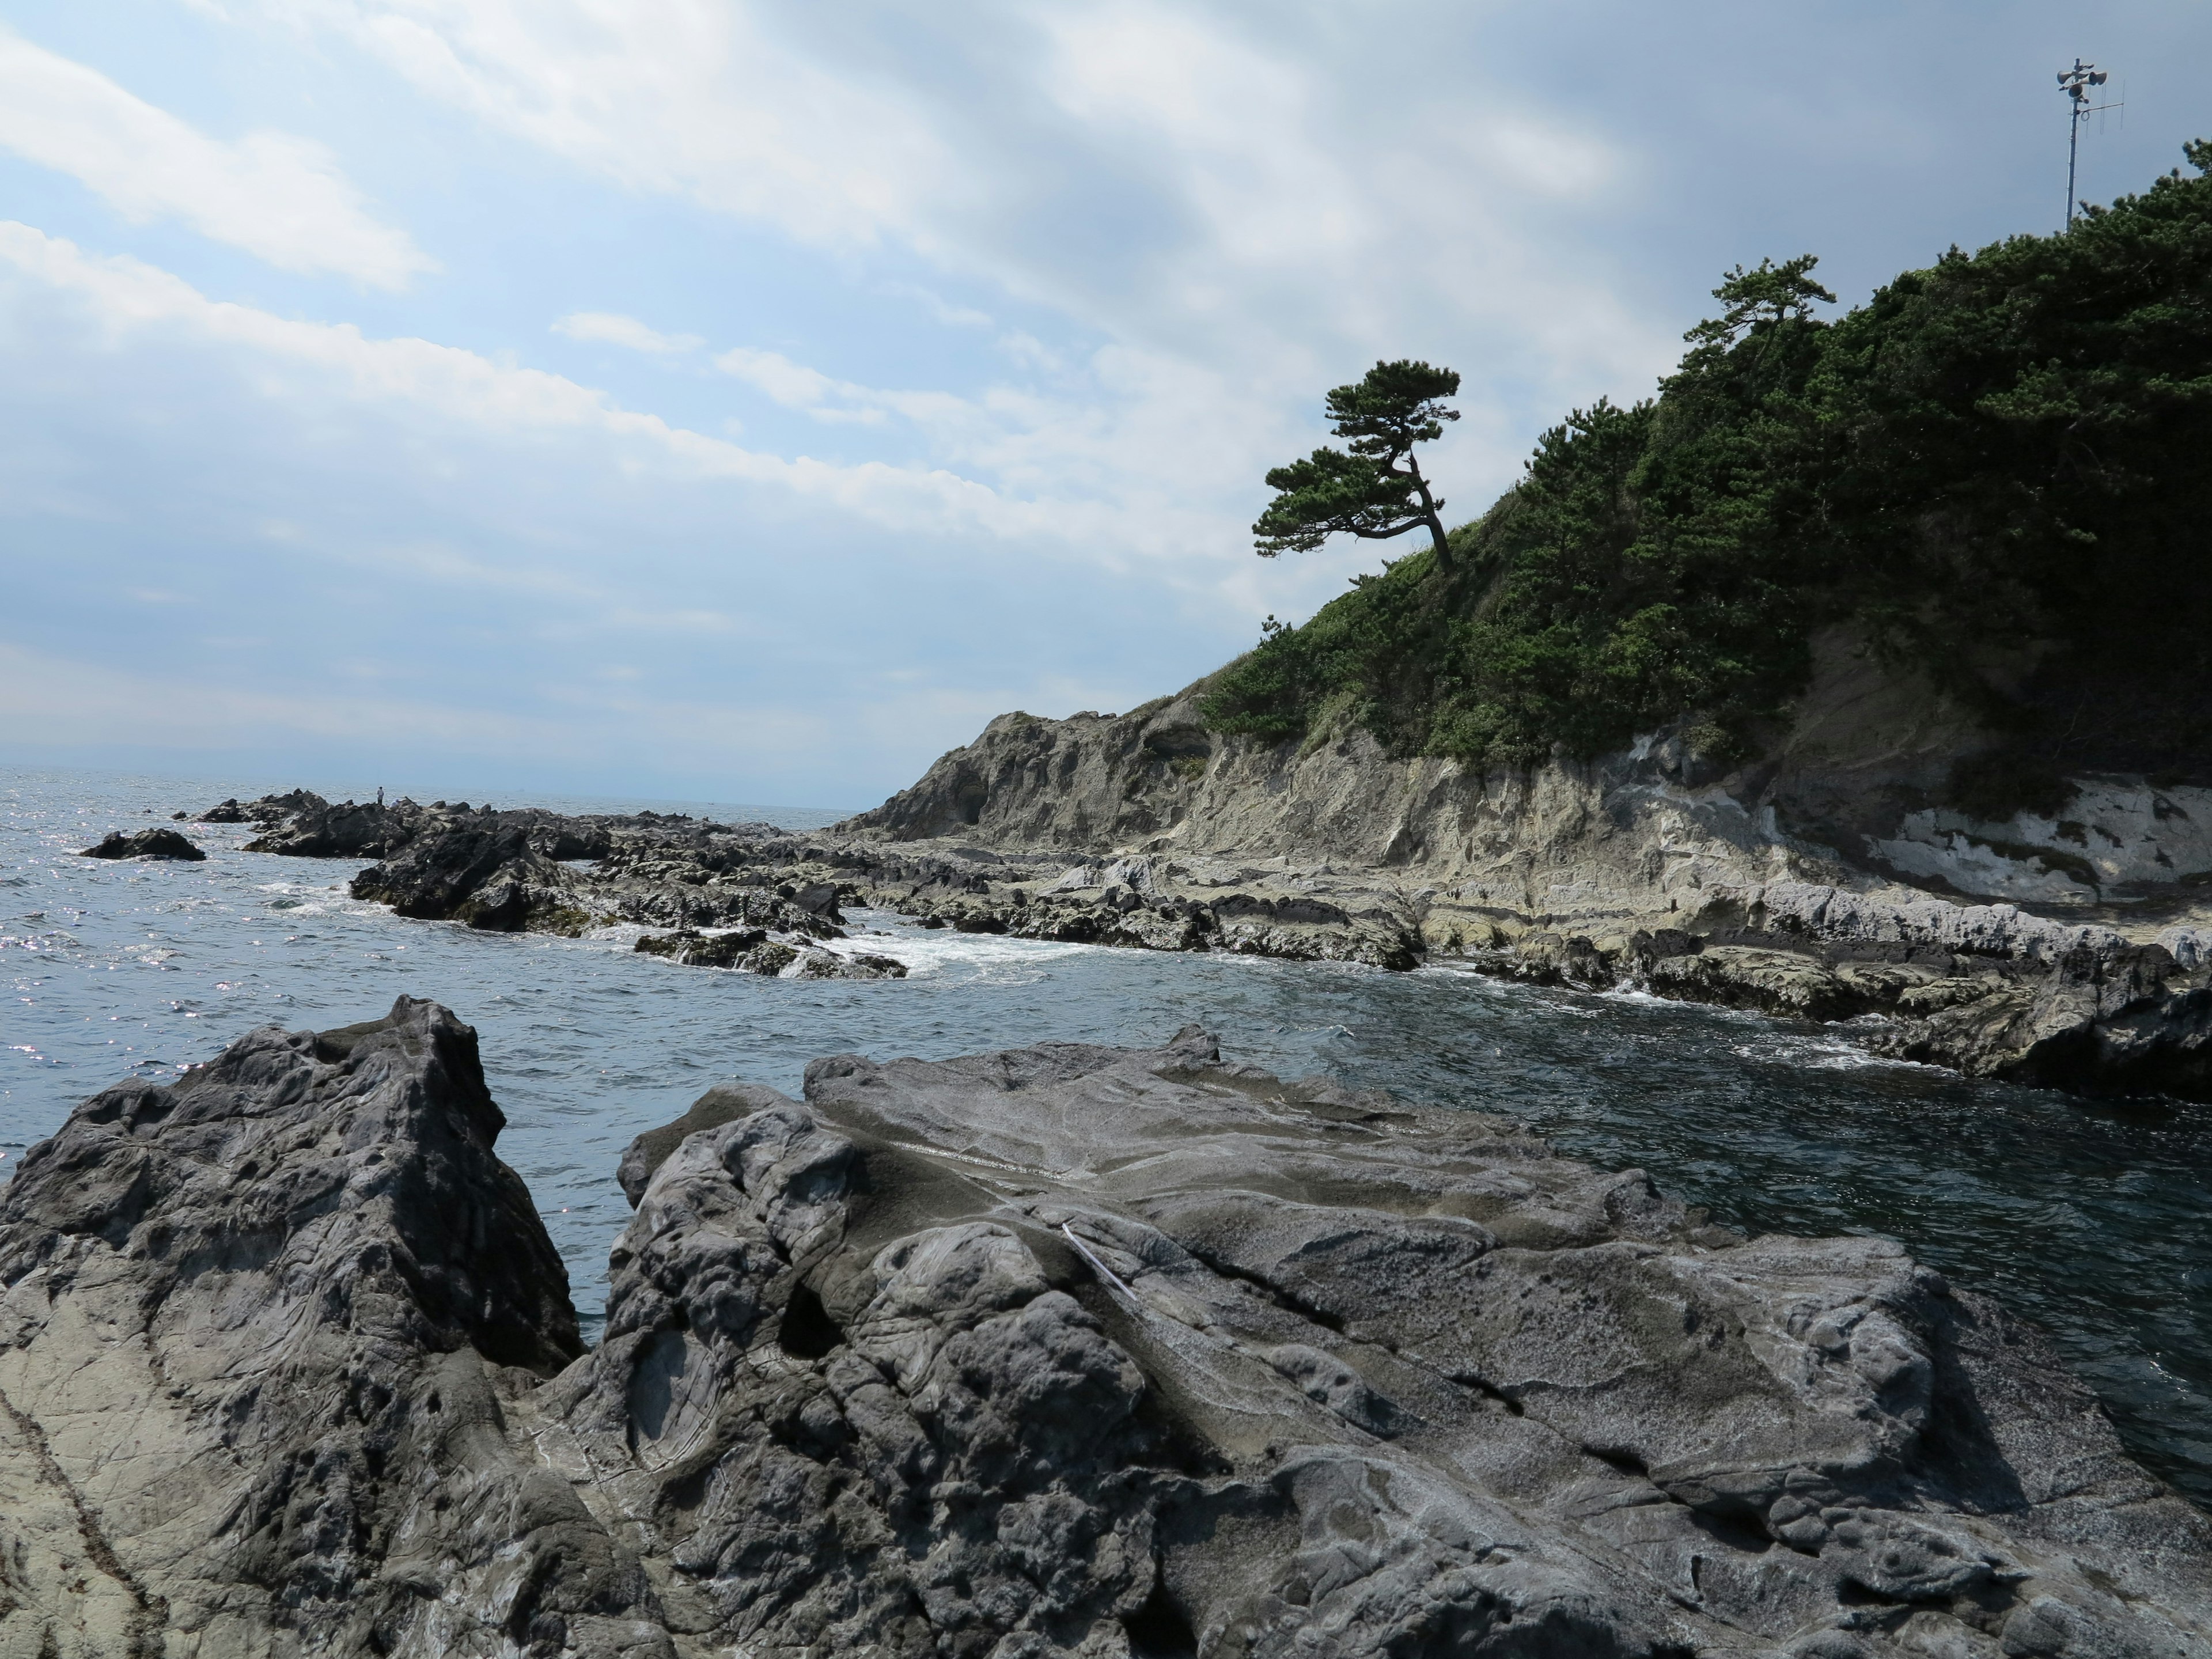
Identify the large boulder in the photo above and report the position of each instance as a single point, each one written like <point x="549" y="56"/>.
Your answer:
<point x="368" y="830"/>
<point x="268" y="809"/>
<point x="487" y="874"/>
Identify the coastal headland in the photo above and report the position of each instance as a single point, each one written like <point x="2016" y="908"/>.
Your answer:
<point x="1150" y="831"/>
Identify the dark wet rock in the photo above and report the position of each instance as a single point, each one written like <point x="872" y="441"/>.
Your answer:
<point x="489" y="876"/>
<point x="698" y="950"/>
<point x="268" y="810"/>
<point x="346" y="830"/>
<point x="146" y="844"/>
<point x="1064" y="1351"/>
<point x="830" y="964"/>
<point x="751" y="950"/>
<point x="817" y="898"/>
<point x="769" y="959"/>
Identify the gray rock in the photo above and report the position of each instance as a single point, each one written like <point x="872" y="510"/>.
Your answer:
<point x="254" y="1334"/>
<point x="1061" y="1350"/>
<point x="830" y="964"/>
<point x="268" y="810"/>
<point x="1369" y="1379"/>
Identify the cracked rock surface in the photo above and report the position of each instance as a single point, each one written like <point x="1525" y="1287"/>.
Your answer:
<point x="1060" y="1350"/>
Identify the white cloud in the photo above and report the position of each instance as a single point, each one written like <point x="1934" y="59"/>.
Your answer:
<point x="123" y="297"/>
<point x="1187" y="207"/>
<point x="670" y="95"/>
<point x="279" y="198"/>
<point x="611" y="328"/>
<point x="788" y="383"/>
<point x="1293" y="224"/>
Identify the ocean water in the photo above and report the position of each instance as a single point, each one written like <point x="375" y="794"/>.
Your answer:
<point x="2090" y="1218"/>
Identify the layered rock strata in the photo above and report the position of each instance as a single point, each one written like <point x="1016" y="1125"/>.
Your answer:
<point x="1061" y="1350"/>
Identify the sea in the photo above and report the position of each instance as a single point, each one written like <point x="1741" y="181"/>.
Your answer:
<point x="2089" y="1217"/>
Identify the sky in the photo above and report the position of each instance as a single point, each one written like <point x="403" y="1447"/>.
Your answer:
<point x="746" y="402"/>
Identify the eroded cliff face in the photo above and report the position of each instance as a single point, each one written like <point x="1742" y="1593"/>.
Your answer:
<point x="1622" y="837"/>
<point x="1104" y="1353"/>
<point x="1850" y="795"/>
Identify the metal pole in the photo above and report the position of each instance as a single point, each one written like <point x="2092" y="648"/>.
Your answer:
<point x="2075" y="84"/>
<point x="2073" y="144"/>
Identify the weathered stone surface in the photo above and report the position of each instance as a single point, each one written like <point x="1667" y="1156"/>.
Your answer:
<point x="162" y="843"/>
<point x="253" y="1335"/>
<point x="1062" y="1351"/>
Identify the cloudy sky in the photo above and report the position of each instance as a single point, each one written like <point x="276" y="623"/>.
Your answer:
<point x="746" y="401"/>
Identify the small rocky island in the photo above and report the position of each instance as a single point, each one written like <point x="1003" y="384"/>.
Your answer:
<point x="1060" y="1350"/>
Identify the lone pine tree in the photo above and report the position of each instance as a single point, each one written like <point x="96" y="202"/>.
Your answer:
<point x="1375" y="491"/>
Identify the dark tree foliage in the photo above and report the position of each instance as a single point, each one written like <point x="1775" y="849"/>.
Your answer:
<point x="1996" y="471"/>
<point x="1375" y="490"/>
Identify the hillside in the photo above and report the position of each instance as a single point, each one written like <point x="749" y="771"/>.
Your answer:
<point x="1990" y="476"/>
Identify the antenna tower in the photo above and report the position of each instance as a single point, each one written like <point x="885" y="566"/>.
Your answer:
<point x="2076" y="84"/>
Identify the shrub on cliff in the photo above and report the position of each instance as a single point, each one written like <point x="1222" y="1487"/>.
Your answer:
<point x="1993" y="470"/>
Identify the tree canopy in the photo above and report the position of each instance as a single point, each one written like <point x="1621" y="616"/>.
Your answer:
<point x="1373" y="488"/>
<point x="1992" y="471"/>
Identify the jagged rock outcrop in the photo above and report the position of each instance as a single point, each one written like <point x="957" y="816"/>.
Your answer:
<point x="305" y="825"/>
<point x="164" y="843"/>
<point x="254" y="1331"/>
<point x="507" y="877"/>
<point x="1061" y="1350"/>
<point x="265" y="809"/>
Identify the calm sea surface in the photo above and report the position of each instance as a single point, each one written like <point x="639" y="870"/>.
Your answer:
<point x="2090" y="1218"/>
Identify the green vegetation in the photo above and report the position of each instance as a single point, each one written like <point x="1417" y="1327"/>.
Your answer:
<point x="1994" y="471"/>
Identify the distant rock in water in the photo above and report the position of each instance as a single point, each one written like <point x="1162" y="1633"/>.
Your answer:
<point x="751" y="950"/>
<point x="146" y="844"/>
<point x="269" y="809"/>
<point x="1063" y="1351"/>
<point x="2118" y="1005"/>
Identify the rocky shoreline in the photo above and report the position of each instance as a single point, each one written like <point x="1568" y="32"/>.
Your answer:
<point x="1060" y="1350"/>
<point x="1990" y="990"/>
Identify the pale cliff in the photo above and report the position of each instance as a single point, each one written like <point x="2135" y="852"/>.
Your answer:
<point x="2074" y="949"/>
<point x="1850" y="794"/>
